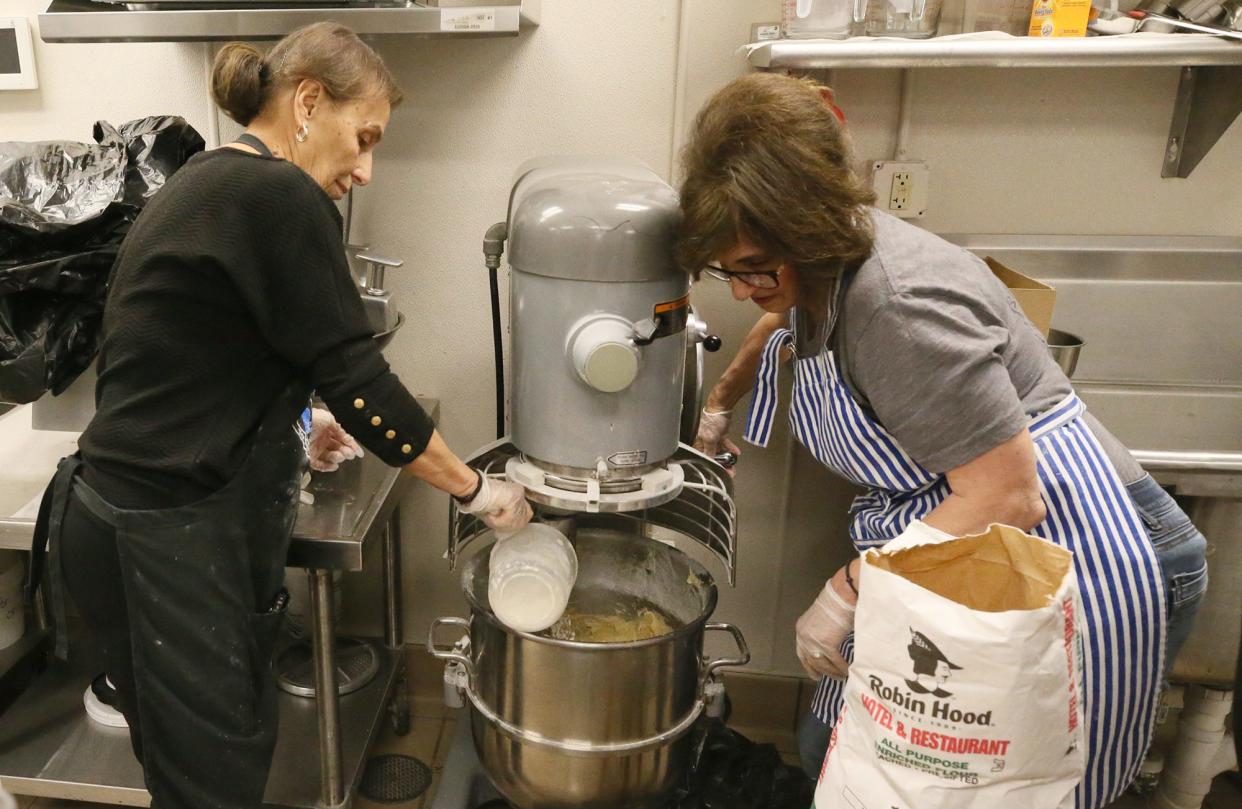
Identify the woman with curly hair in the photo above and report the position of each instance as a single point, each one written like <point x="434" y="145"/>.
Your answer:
<point x="917" y="377"/>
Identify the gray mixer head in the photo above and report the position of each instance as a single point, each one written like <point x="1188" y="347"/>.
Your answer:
<point x="601" y="335"/>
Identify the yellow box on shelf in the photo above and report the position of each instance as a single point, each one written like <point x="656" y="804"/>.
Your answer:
<point x="1059" y="18"/>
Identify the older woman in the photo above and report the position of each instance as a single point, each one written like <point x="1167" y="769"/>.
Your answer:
<point x="231" y="302"/>
<point x="917" y="377"/>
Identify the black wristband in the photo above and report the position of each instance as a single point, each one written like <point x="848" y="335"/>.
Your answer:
<point x="478" y="487"/>
<point x="850" y="580"/>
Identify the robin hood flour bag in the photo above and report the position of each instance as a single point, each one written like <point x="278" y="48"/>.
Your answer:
<point x="964" y="691"/>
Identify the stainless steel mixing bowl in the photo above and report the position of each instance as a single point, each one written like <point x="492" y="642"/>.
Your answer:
<point x="564" y="724"/>
<point x="1064" y="348"/>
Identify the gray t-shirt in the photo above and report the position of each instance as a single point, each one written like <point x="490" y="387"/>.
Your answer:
<point x="937" y="349"/>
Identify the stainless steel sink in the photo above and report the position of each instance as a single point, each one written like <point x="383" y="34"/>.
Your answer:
<point x="1162" y="369"/>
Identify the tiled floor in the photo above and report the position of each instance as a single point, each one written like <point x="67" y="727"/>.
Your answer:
<point x="765" y="709"/>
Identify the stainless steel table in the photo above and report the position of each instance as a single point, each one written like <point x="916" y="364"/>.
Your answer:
<point x="49" y="748"/>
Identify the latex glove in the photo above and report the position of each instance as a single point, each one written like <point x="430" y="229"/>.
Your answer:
<point x="820" y="632"/>
<point x="712" y="438"/>
<point x="330" y="445"/>
<point x="501" y="506"/>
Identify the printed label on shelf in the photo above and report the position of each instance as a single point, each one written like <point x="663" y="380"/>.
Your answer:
<point x="462" y="20"/>
<point x="766" y="33"/>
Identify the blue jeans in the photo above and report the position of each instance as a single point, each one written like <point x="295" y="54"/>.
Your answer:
<point x="1181" y="550"/>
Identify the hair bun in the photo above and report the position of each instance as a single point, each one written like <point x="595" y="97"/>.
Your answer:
<point x="237" y="81"/>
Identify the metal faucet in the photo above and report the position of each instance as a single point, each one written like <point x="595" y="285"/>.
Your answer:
<point x="376" y="265"/>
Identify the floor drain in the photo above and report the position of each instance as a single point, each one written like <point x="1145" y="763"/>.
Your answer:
<point x="394" y="778"/>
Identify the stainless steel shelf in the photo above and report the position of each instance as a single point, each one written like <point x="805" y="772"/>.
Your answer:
<point x="331" y="533"/>
<point x="1129" y="50"/>
<point x="1152" y="460"/>
<point x="87" y="21"/>
<point x="1207" y="98"/>
<point x="49" y="748"/>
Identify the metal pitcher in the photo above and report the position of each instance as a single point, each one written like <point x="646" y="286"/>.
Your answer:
<point x="915" y="19"/>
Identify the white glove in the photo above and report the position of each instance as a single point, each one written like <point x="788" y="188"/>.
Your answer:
<point x="501" y="505"/>
<point x="820" y="632"/>
<point x="330" y="445"/>
<point x="713" y="433"/>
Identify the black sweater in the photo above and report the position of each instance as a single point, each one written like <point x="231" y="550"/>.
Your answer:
<point x="231" y="284"/>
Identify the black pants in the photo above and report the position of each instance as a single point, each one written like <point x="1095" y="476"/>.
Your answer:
<point x="221" y="759"/>
<point x="92" y="571"/>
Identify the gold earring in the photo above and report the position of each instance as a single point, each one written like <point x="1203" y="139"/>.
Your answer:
<point x="303" y="133"/>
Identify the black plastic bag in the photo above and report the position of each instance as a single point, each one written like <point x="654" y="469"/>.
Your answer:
<point x="155" y="148"/>
<point x="50" y="314"/>
<point x="65" y="207"/>
<point x="732" y="772"/>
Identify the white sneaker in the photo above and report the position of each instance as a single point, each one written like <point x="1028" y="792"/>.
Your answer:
<point x="100" y="699"/>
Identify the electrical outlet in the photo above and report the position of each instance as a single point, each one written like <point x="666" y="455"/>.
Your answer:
<point x="899" y="197"/>
<point x="901" y="187"/>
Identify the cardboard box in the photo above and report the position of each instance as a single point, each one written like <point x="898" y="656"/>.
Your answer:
<point x="1035" y="298"/>
<point x="1059" y="18"/>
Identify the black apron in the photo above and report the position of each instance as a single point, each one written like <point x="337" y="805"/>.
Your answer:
<point x="203" y="586"/>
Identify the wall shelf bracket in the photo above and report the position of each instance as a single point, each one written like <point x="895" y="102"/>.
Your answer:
<point x="1209" y="99"/>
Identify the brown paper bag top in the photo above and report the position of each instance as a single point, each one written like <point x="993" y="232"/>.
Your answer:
<point x="1001" y="569"/>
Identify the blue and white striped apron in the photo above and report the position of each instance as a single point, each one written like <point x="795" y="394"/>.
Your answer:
<point x="1089" y="513"/>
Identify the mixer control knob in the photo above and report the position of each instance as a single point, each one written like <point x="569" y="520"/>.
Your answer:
<point x="712" y="343"/>
<point x="603" y="352"/>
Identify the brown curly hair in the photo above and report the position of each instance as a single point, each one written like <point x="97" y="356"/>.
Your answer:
<point x="768" y="161"/>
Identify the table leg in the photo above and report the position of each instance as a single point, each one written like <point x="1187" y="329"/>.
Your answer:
<point x="394" y="636"/>
<point x="327" y="703"/>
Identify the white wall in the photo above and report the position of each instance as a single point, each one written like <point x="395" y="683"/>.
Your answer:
<point x="1049" y="151"/>
<point x="1011" y="151"/>
<point x="82" y="83"/>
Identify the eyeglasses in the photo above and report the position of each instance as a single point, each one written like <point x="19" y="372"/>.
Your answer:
<point x="751" y="278"/>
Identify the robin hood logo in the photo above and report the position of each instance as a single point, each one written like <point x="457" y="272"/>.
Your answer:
<point x="931" y="667"/>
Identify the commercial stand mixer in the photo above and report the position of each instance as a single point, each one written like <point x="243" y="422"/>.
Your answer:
<point x="606" y="369"/>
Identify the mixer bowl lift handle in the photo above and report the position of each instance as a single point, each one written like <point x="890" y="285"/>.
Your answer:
<point x="453" y="654"/>
<point x="743" y="652"/>
<point x="577" y="745"/>
<point x="710" y="667"/>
